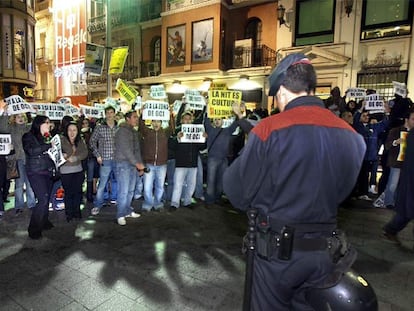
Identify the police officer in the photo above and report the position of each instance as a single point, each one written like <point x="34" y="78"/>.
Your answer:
<point x="295" y="169"/>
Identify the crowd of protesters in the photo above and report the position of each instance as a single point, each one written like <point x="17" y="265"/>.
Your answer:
<point x="168" y="174"/>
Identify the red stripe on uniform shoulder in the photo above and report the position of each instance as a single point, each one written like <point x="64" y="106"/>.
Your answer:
<point x="302" y="115"/>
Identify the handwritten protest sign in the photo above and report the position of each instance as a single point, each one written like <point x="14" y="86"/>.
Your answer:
<point x="400" y="88"/>
<point x="374" y="103"/>
<point x="356" y="93"/>
<point x="220" y="103"/>
<point x="92" y="112"/>
<point x="158" y="92"/>
<point x="17" y="105"/>
<point x="55" y="152"/>
<point x="138" y="102"/>
<point x="156" y="110"/>
<point x="176" y="106"/>
<point x="218" y="86"/>
<point x="52" y="111"/>
<point x="193" y="133"/>
<point x="194" y="100"/>
<point x="72" y="110"/>
<point x="5" y="144"/>
<point x="126" y="91"/>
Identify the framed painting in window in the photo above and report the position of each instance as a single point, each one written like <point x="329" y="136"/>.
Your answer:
<point x="202" y="41"/>
<point x="176" y="45"/>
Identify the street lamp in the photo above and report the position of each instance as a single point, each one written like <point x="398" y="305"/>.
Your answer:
<point x="108" y="47"/>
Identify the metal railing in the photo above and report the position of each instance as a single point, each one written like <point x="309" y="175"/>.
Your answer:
<point x="244" y="57"/>
<point x="129" y="74"/>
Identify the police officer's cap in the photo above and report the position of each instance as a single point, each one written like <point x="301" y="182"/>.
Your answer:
<point x="278" y="74"/>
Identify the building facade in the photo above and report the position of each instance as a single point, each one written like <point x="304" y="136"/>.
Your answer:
<point x="17" y="51"/>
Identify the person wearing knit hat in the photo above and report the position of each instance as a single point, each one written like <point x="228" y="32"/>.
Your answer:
<point x="295" y="169"/>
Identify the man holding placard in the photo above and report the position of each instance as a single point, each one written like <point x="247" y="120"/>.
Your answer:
<point x="189" y="141"/>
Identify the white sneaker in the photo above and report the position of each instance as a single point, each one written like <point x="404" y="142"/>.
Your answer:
<point x="121" y="221"/>
<point x="364" y="197"/>
<point x="379" y="202"/>
<point x="133" y="215"/>
<point x="95" y="211"/>
<point x="372" y="189"/>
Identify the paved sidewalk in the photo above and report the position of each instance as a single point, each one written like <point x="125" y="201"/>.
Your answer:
<point x="186" y="260"/>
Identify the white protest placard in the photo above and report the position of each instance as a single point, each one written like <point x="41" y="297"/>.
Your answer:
<point x="156" y="110"/>
<point x="400" y="88"/>
<point x="92" y="112"/>
<point x="65" y="101"/>
<point x="52" y="111"/>
<point x="55" y="152"/>
<point x="5" y="144"/>
<point x="72" y="110"/>
<point x="194" y="100"/>
<point x="192" y="133"/>
<point x="356" y="92"/>
<point x="176" y="106"/>
<point x="158" y="92"/>
<point x="17" y="105"/>
<point x="374" y="103"/>
<point x="99" y="106"/>
<point x="138" y="102"/>
<point x="113" y="102"/>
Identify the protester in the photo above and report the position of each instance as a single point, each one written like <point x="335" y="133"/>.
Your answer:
<point x="155" y="156"/>
<point x="295" y="169"/>
<point x="404" y="208"/>
<point x="39" y="168"/>
<point x="74" y="151"/>
<point x="127" y="162"/>
<point x="102" y="145"/>
<point x="186" y="161"/>
<point x="16" y="125"/>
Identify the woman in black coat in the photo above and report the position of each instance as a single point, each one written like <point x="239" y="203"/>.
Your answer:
<point x="39" y="166"/>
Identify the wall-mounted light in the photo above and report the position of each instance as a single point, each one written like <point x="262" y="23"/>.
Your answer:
<point x="348" y="5"/>
<point x="281" y="10"/>
<point x="205" y="85"/>
<point x="244" y="77"/>
<point x="176" y="87"/>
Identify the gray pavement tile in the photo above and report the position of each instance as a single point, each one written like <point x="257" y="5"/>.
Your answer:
<point x="8" y="304"/>
<point x="90" y="293"/>
<point x="116" y="303"/>
<point x="29" y="298"/>
<point x="64" y="277"/>
<point x="73" y="306"/>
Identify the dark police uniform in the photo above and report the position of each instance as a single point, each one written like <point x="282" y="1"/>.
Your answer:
<point x="295" y="169"/>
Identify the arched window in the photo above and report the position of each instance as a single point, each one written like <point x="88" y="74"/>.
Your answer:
<point x="254" y="31"/>
<point x="156" y="49"/>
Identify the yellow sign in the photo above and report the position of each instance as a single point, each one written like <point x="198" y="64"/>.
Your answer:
<point x="403" y="146"/>
<point x="127" y="92"/>
<point x="218" y="86"/>
<point x="220" y="103"/>
<point x="118" y="59"/>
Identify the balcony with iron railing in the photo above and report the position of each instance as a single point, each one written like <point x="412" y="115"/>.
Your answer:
<point x="150" y="69"/>
<point x="245" y="57"/>
<point x="43" y="94"/>
<point x="129" y="74"/>
<point x="42" y="55"/>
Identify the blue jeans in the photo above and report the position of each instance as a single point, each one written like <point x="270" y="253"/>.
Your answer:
<point x="111" y="195"/>
<point x="93" y="167"/>
<point x="389" y="197"/>
<point x="199" y="190"/>
<point x="154" y="186"/>
<point x="139" y="186"/>
<point x="105" y="171"/>
<point x="215" y="171"/>
<point x="184" y="185"/>
<point x="18" y="188"/>
<point x="170" y="179"/>
<point x="126" y="174"/>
